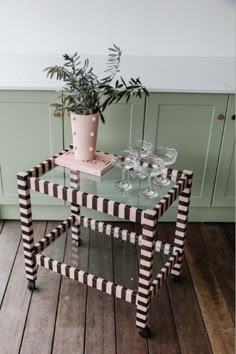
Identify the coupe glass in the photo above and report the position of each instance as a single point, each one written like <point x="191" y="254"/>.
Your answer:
<point x="151" y="166"/>
<point x="142" y="149"/>
<point x="125" y="161"/>
<point x="169" y="156"/>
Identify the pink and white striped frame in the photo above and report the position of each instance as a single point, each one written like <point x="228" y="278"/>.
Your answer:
<point x="148" y="286"/>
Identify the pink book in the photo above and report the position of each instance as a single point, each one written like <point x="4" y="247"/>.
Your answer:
<point x="101" y="163"/>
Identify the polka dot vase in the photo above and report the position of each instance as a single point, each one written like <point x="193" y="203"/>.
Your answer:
<point x="84" y="134"/>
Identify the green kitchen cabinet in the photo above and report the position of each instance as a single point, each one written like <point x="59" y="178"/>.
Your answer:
<point x="224" y="192"/>
<point x="29" y="134"/>
<point x="189" y="123"/>
<point x="199" y="126"/>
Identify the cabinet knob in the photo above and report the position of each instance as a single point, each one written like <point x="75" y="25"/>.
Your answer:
<point x="233" y="117"/>
<point x="57" y="114"/>
<point x="221" y="117"/>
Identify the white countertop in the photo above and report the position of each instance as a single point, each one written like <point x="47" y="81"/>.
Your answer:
<point x="158" y="74"/>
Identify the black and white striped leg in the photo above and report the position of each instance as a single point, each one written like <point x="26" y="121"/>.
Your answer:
<point x="149" y="221"/>
<point x="75" y="209"/>
<point x="181" y="226"/>
<point x="27" y="229"/>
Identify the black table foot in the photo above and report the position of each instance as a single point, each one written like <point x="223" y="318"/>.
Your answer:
<point x="31" y="284"/>
<point x="78" y="243"/>
<point x="145" y="332"/>
<point x="176" y="278"/>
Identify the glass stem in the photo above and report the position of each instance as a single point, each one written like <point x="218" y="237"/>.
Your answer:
<point x="149" y="187"/>
<point x="123" y="175"/>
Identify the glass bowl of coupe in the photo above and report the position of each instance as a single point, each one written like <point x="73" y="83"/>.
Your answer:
<point x="151" y="167"/>
<point x="169" y="156"/>
<point x="124" y="160"/>
<point x="142" y="149"/>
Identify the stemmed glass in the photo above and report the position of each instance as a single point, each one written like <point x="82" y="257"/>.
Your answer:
<point x="142" y="149"/>
<point x="125" y="161"/>
<point x="169" y="156"/>
<point x="151" y="166"/>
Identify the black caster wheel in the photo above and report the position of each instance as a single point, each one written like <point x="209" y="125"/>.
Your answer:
<point x="176" y="278"/>
<point x="78" y="243"/>
<point x="31" y="284"/>
<point x="145" y="332"/>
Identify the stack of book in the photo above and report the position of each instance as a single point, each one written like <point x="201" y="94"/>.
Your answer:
<point x="101" y="163"/>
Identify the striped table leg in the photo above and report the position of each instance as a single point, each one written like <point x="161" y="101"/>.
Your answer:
<point x="27" y="229"/>
<point x="181" y="224"/>
<point x="149" y="221"/>
<point x="75" y="209"/>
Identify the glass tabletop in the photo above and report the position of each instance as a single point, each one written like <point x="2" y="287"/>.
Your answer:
<point x="103" y="186"/>
<point x="100" y="255"/>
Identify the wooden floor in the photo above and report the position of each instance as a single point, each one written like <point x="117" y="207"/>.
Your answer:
<point x="195" y="315"/>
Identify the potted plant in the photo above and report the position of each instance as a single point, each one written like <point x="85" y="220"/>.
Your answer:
<point x="86" y="96"/>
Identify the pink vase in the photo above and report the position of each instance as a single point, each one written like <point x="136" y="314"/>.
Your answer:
<point x="84" y="134"/>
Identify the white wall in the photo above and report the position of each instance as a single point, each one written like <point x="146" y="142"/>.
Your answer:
<point x="139" y="27"/>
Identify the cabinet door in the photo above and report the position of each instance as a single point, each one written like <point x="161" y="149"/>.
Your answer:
<point x="224" y="194"/>
<point x="188" y="122"/>
<point x="124" y="122"/>
<point x="29" y="134"/>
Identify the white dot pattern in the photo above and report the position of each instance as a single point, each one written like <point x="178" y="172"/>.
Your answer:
<point x="84" y="139"/>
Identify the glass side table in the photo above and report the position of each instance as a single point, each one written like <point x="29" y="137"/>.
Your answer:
<point x="92" y="192"/>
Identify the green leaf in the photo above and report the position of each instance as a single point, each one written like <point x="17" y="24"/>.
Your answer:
<point x="102" y="116"/>
<point x="145" y="91"/>
<point x="128" y="97"/>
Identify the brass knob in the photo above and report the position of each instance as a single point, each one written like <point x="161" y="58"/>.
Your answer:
<point x="233" y="117"/>
<point x="57" y="114"/>
<point x="221" y="117"/>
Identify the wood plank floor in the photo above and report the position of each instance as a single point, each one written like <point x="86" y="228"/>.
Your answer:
<point x="194" y="315"/>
